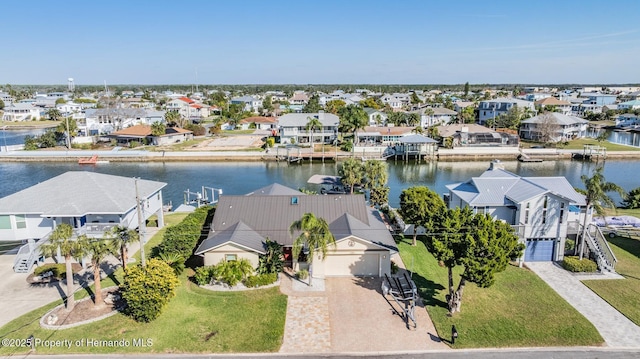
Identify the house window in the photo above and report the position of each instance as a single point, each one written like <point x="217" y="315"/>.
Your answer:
<point x="481" y="210"/>
<point x="5" y="222"/>
<point x="21" y="221"/>
<point x="230" y="257"/>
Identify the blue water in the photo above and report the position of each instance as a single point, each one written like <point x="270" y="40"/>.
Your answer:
<point x="16" y="137"/>
<point x="244" y="177"/>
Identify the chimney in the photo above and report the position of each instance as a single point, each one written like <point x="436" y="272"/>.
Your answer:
<point x="495" y="165"/>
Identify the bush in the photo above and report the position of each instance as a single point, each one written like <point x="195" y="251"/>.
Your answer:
<point x="58" y="270"/>
<point x="569" y="245"/>
<point x="204" y="275"/>
<point x="147" y="290"/>
<point x="233" y="272"/>
<point x="198" y="130"/>
<point x="394" y="267"/>
<point x="182" y="238"/>
<point x="346" y="146"/>
<point x="573" y="264"/>
<point x="273" y="259"/>
<point x="302" y="274"/>
<point x="260" y="280"/>
<point x="632" y="200"/>
<point x="271" y="141"/>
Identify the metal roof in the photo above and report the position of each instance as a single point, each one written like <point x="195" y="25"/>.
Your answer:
<point x="416" y="139"/>
<point x="560" y="119"/>
<point x="274" y="190"/>
<point x="239" y="233"/>
<point x="77" y="193"/>
<point x="301" y="119"/>
<point x="325" y="179"/>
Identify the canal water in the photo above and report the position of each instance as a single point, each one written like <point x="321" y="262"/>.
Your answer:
<point x="16" y="137"/>
<point x="243" y="177"/>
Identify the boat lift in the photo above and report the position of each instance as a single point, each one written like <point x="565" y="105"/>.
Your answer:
<point x="202" y="198"/>
<point x="405" y="293"/>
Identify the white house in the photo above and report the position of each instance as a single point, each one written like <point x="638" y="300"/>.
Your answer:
<point x="433" y="116"/>
<point x="563" y="107"/>
<point x="90" y="202"/>
<point x="491" y="109"/>
<point x="103" y="121"/>
<point x="259" y="122"/>
<point x="21" y="112"/>
<point x="188" y="108"/>
<point x="249" y="103"/>
<point x="6" y="99"/>
<point x="629" y="105"/>
<point x="543" y="210"/>
<point x="70" y="109"/>
<point x="627" y="119"/>
<point x="559" y="127"/>
<point x="293" y="126"/>
<point x="376" y="117"/>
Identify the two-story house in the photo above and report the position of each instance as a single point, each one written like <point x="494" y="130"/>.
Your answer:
<point x="376" y="117"/>
<point x="103" y="121"/>
<point x="21" y="112"/>
<point x="294" y="126"/>
<point x="563" y="107"/>
<point x="188" y="108"/>
<point x="545" y="211"/>
<point x="249" y="103"/>
<point x="553" y="126"/>
<point x="491" y="109"/>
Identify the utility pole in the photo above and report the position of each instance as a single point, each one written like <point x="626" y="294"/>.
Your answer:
<point x="68" y="136"/>
<point x="140" y="226"/>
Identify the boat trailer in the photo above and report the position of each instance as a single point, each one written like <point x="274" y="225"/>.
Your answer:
<point x="405" y="293"/>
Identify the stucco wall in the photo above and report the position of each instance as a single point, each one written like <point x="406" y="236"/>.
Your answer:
<point x="215" y="256"/>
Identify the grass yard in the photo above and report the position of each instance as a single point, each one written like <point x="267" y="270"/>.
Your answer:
<point x="579" y="143"/>
<point x="195" y="321"/>
<point x="519" y="310"/>
<point x="623" y="294"/>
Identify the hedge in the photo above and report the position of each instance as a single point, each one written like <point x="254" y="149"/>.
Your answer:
<point x="573" y="264"/>
<point x="58" y="270"/>
<point x="183" y="237"/>
<point x="260" y="280"/>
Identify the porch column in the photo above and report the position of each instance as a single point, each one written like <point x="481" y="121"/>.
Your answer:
<point x="160" y="212"/>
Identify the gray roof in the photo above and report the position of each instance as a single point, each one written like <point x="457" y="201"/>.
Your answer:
<point x="271" y="216"/>
<point x="275" y="189"/>
<point x="239" y="233"/>
<point x="560" y="119"/>
<point x="416" y="139"/>
<point x="301" y="119"/>
<point x="346" y="226"/>
<point x="325" y="179"/>
<point x="77" y="193"/>
<point x="497" y="187"/>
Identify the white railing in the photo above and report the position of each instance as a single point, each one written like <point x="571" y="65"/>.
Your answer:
<point x="599" y="244"/>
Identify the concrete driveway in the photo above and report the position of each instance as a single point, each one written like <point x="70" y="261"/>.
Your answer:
<point x="363" y="321"/>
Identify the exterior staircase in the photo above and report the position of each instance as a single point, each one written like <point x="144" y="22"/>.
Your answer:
<point x="598" y="245"/>
<point x="27" y="255"/>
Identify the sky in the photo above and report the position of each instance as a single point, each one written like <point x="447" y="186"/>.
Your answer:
<point x="320" y="42"/>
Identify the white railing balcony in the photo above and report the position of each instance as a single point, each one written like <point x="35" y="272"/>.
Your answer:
<point x="96" y="228"/>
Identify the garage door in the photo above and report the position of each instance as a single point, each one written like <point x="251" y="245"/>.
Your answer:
<point x="351" y="265"/>
<point x="539" y="250"/>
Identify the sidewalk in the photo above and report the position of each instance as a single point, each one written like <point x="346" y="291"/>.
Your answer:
<point x="615" y="328"/>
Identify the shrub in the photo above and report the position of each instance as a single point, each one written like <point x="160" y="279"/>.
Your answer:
<point x="204" y="275"/>
<point x="58" y="270"/>
<point x="569" y="245"/>
<point x="346" y="146"/>
<point x="271" y="141"/>
<point x="198" y="130"/>
<point x="260" y="280"/>
<point x="147" y="290"/>
<point x="632" y="200"/>
<point x="182" y="238"/>
<point x="394" y="267"/>
<point x="273" y="259"/>
<point x="302" y="274"/>
<point x="233" y="272"/>
<point x="573" y="264"/>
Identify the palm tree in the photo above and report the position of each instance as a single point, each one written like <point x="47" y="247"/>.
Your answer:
<point x="120" y="237"/>
<point x="61" y="238"/>
<point x="98" y="249"/>
<point x="596" y="189"/>
<point x="158" y="128"/>
<point x="352" y="118"/>
<point x="314" y="236"/>
<point x="312" y="125"/>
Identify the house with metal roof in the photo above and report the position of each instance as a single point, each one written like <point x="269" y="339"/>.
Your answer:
<point x="545" y="211"/>
<point x="242" y="224"/>
<point x="144" y="134"/>
<point x="91" y="203"/>
<point x="491" y="109"/>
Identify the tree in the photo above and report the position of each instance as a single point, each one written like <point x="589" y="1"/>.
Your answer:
<point x="415" y="100"/>
<point x="334" y="106"/>
<point x="120" y="237"/>
<point x="466" y="89"/>
<point x="413" y="119"/>
<point x="376" y="176"/>
<point x="273" y="259"/>
<point x="482" y="245"/>
<point x="158" y="128"/>
<point x="352" y="118"/>
<point x="371" y="102"/>
<point x="396" y="118"/>
<point x="61" y="239"/>
<point x="312" y="125"/>
<point x="1" y="105"/>
<point x="60" y="101"/>
<point x="420" y="206"/>
<point x="632" y="199"/>
<point x="596" y="198"/>
<point x="351" y="173"/>
<point x="147" y="290"/>
<point x="98" y="249"/>
<point x="313" y="105"/>
<point x="548" y="128"/>
<point x="174" y="118"/>
<point x="314" y="235"/>
<point x="267" y="104"/>
<point x="54" y="114"/>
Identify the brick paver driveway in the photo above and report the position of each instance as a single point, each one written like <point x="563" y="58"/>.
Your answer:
<point x="363" y="321"/>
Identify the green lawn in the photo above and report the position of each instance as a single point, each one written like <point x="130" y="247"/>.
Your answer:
<point x="239" y="132"/>
<point x="519" y="310"/>
<point x="623" y="294"/>
<point x="195" y="321"/>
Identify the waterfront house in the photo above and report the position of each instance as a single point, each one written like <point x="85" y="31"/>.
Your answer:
<point x="90" y="202"/>
<point x="242" y="224"/>
<point x="103" y="121"/>
<point x="563" y="107"/>
<point x="627" y="120"/>
<point x="71" y="109"/>
<point x="382" y="135"/>
<point x="629" y="105"/>
<point x="545" y="211"/>
<point x="600" y="99"/>
<point x="258" y="122"/>
<point x="21" y="112"/>
<point x="293" y="126"/>
<point x="471" y="134"/>
<point x="433" y="116"/>
<point x="553" y="126"/>
<point x="376" y="117"/>
<point x="142" y="134"/>
<point x="188" y="108"/>
<point x="491" y="109"/>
